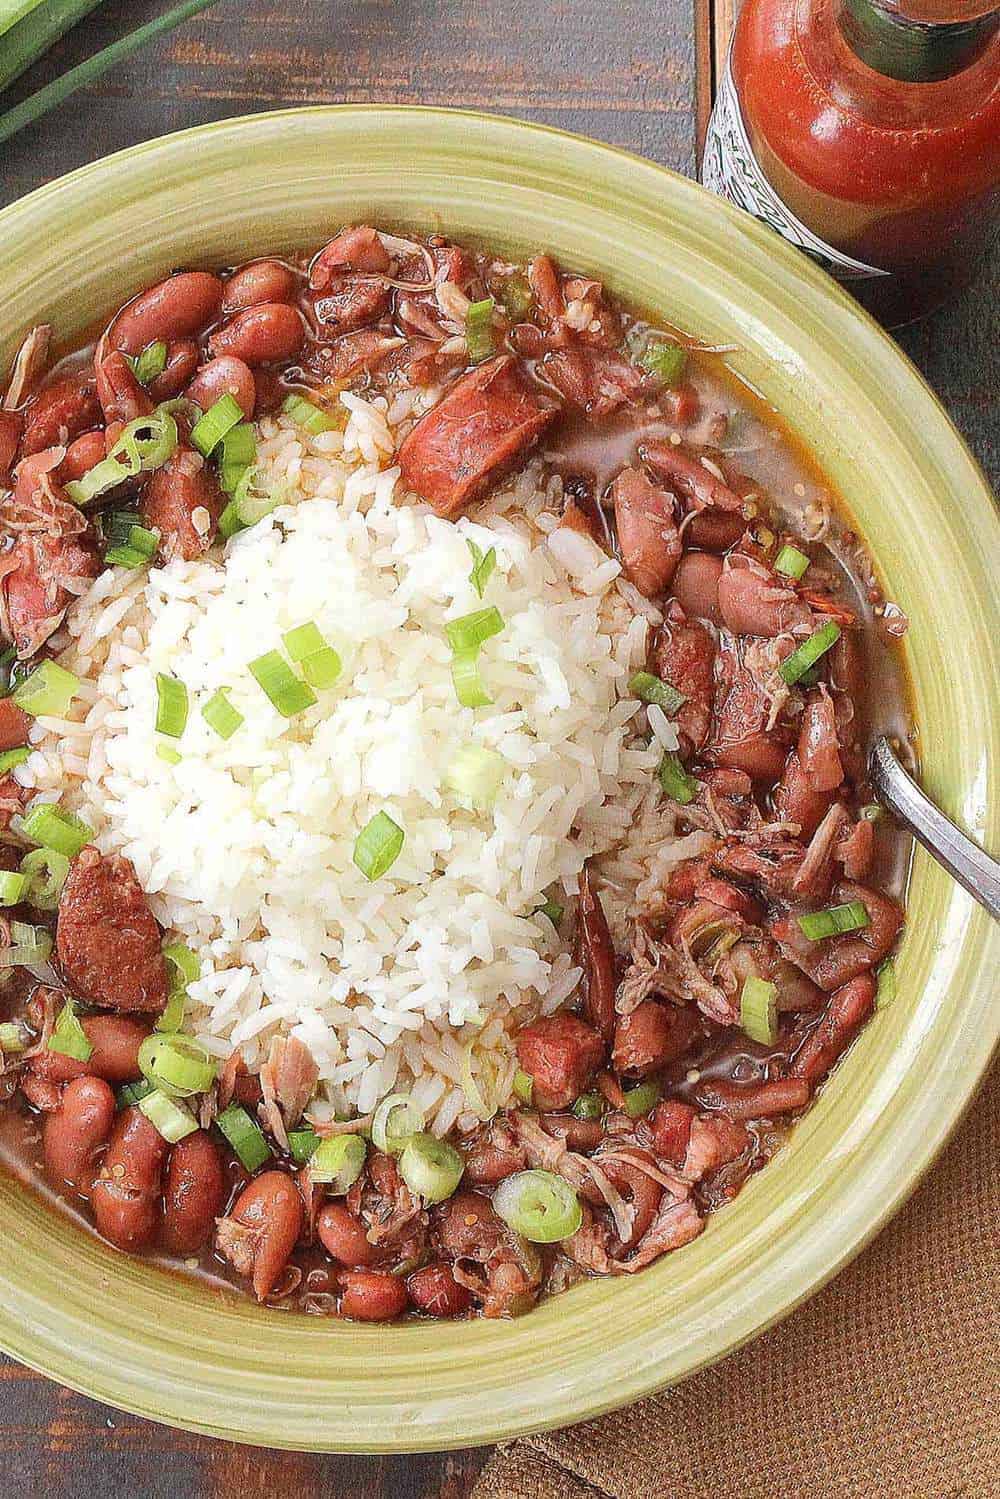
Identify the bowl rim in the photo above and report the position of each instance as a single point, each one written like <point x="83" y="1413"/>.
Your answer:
<point x="572" y="1404"/>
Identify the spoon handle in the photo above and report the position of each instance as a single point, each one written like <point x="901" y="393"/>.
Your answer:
<point x="972" y="866"/>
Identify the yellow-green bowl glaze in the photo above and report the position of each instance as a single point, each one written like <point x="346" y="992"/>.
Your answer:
<point x="125" y="1332"/>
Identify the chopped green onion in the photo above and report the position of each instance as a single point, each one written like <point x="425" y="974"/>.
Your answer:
<point x="245" y="1136"/>
<point x="303" y="641"/>
<point x="872" y="812"/>
<point x="252" y="504"/>
<point x="171" y="1119"/>
<point x="138" y="548"/>
<point x="29" y="949"/>
<point x="12" y="1038"/>
<point x="308" y="416"/>
<point x="835" y="919"/>
<point x="48" y="691"/>
<point x="171" y="705"/>
<point x="337" y="1162"/>
<point x="640" y="1099"/>
<point x="515" y="296"/>
<point x="665" y="359"/>
<point x="239" y="447"/>
<point x="322" y="669"/>
<point x="479" y="330"/>
<point x="650" y="689"/>
<point x="302" y="1145"/>
<point x="378" y="846"/>
<point x="172" y="1017"/>
<point x="885" y="988"/>
<point x="791" y="562"/>
<point x="45" y="873"/>
<point x="229" y="520"/>
<point x="208" y="432"/>
<point x="759" y="1010"/>
<point x="287" y="692"/>
<point x="116" y="525"/>
<point x="476" y="774"/>
<point x="168" y="754"/>
<point x="675" y="780"/>
<point x="12" y="888"/>
<point x="10" y="758"/>
<point x="430" y="1168"/>
<point x="588" y="1106"/>
<point x="145" y="444"/>
<point x="69" y="1037"/>
<point x="524" y="1086"/>
<point x="130" y="1093"/>
<point x="483" y="565"/>
<point x="808" y="653"/>
<point x="540" y="1206"/>
<point x="220" y="714"/>
<point x="51" y="828"/>
<point x="184" y="965"/>
<point x="552" y="909"/>
<point x="472" y="630"/>
<point x="150" y="363"/>
<point x="469" y="687"/>
<point x="125" y="557"/>
<point x="396" y="1119"/>
<point x="106" y="475"/>
<point x="178" y="1064"/>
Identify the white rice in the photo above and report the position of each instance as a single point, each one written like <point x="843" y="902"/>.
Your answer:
<point x="245" y="846"/>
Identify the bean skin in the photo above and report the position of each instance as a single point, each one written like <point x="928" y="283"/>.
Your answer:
<point x="194" y="1193"/>
<point x="179" y="307"/>
<point x="59" y="413"/>
<point x="182" y="361"/>
<point x="343" y="1236"/>
<point x="126" y="1195"/>
<point x="261" y="281"/>
<point x="271" y="1209"/>
<point x="115" y="1058"/>
<point x="372" y="1295"/>
<point x="224" y="376"/>
<point x="434" y="1290"/>
<point x="81" y="456"/>
<point x="76" y="1131"/>
<point x="261" y="335"/>
<point x="121" y="396"/>
<point x="696" y="585"/>
<point x="10" y="439"/>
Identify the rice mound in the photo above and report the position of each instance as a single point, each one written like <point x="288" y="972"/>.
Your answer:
<point x="245" y="846"/>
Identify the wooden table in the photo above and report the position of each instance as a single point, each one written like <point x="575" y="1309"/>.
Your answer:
<point x="638" y="73"/>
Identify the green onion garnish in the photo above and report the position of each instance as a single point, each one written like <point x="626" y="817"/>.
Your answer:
<point x="168" y="754"/>
<point x="209" y="430"/>
<point x="31" y="946"/>
<point x="229" y="520"/>
<point x="675" y="780"/>
<point x="540" y="1206"/>
<point x="885" y="988"/>
<point x="476" y="774"/>
<point x="253" y="503"/>
<point x="640" y="1099"/>
<point x="588" y="1106"/>
<point x="483" y="564"/>
<point x="220" y="714"/>
<point x="10" y="758"/>
<point x="523" y="1086"/>
<point x="322" y="669"/>
<point x="302" y="1144"/>
<point x="396" y="1120"/>
<point x="378" y="846"/>
<point x="184" y="966"/>
<point x="469" y="686"/>
<point x="245" y="1136"/>
<point x="69" y="1037"/>
<point x="650" y="689"/>
<point x="48" y="691"/>
<point x="338" y="1162"/>
<point x="303" y="641"/>
<point x="665" y="359"/>
<point x="144" y="445"/>
<point x="872" y="812"/>
<point x="479" y="330"/>
<point x="430" y="1167"/>
<point x="472" y="630"/>
<point x="12" y="1038"/>
<point x="239" y="447"/>
<point x="178" y="1064"/>
<point x="312" y="418"/>
<point x="12" y="888"/>
<point x="172" y="1016"/>
<point x="171" y="705"/>
<point x="286" y="692"/>
<point x="759" y="1010"/>
<point x="552" y="909"/>
<point x="48" y="826"/>
<point x="791" y="562"/>
<point x="130" y="1093"/>
<point x="138" y="549"/>
<point x="45" y="873"/>
<point x="835" y="919"/>
<point x="150" y="363"/>
<point x="173" y="1121"/>
<point x="809" y="652"/>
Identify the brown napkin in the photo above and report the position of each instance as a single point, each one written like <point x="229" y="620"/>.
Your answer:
<point x="885" y="1386"/>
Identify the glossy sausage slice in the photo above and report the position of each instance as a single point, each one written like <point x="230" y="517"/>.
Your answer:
<point x="106" y="938"/>
<point x="60" y="412"/>
<point x="126" y="1194"/>
<point x="183" y="501"/>
<point x="560" y="1053"/>
<point x="486" y="423"/>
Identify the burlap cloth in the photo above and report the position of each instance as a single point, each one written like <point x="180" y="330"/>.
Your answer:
<point x="885" y="1384"/>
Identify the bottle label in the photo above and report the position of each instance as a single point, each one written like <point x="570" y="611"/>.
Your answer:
<point x="731" y="169"/>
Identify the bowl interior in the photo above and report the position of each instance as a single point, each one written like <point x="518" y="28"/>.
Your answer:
<point x="130" y="1334"/>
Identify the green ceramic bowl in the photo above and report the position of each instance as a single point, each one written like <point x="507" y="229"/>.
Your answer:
<point x="127" y="1333"/>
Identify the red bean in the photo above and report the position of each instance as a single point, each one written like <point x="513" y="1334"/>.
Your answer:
<point x="115" y="1058"/>
<point x="434" y="1290"/>
<point x="182" y="361"/>
<point x="10" y="438"/>
<point x="271" y="1209"/>
<point x="260" y="281"/>
<point x="122" y="397"/>
<point x="76" y="1132"/>
<point x="343" y="1236"/>
<point x="261" y="335"/>
<point x="126" y="1195"/>
<point x="696" y="585"/>
<point x="59" y="412"/>
<point x="179" y="307"/>
<point x="372" y="1295"/>
<point x="81" y="456"/>
<point x="194" y="1193"/>
<point x="221" y="377"/>
<point x="715" y="530"/>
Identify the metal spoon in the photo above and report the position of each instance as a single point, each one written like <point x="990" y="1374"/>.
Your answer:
<point x="972" y="867"/>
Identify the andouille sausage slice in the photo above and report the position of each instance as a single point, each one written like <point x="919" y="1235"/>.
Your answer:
<point x="480" y="429"/>
<point x="106" y="938"/>
<point x="183" y="502"/>
<point x="560" y="1053"/>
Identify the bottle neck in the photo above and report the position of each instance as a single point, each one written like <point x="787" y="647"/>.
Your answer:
<point x="918" y="41"/>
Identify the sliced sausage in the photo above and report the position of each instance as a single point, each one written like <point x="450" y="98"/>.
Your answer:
<point x="183" y="502"/>
<point x="561" y="1054"/>
<point x="126" y="1194"/>
<point x="106" y="938"/>
<point x="14" y="725"/>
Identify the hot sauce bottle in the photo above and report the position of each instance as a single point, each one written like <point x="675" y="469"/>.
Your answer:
<point x="867" y="132"/>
